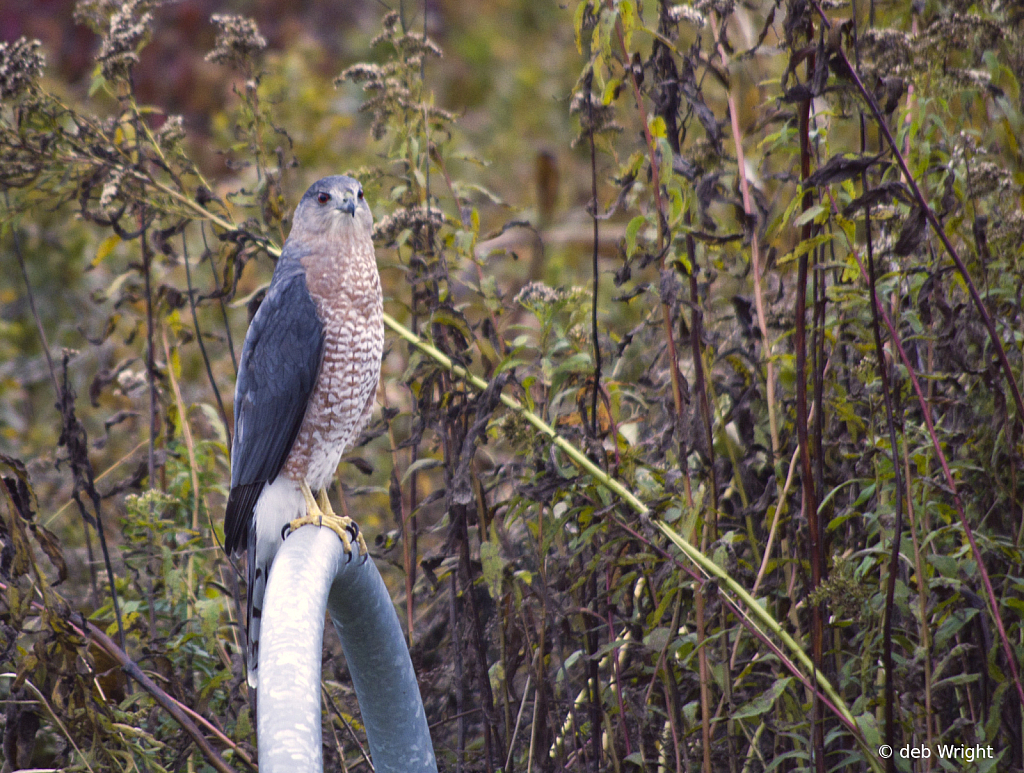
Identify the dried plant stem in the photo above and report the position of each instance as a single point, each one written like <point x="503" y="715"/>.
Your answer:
<point x="45" y="344"/>
<point x="922" y="600"/>
<point x="408" y="550"/>
<point x="755" y="254"/>
<point x="950" y="482"/>
<point x="653" y="158"/>
<point x="933" y="221"/>
<point x="890" y="585"/>
<point x="816" y="555"/>
<point x="593" y="300"/>
<point x="746" y="613"/>
<point x="199" y="339"/>
<point x="147" y="266"/>
<point x="52" y="713"/>
<point x="101" y="476"/>
<point x="186" y="431"/>
<point x="169" y="704"/>
<point x="708" y="566"/>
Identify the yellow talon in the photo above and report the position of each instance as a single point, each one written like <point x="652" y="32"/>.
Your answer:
<point x="321" y="514"/>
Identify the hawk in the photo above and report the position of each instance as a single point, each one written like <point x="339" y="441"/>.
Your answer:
<point x="306" y="384"/>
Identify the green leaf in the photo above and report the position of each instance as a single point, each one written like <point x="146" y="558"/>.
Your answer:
<point x="577" y="23"/>
<point x="632" y="230"/>
<point x="419" y="466"/>
<point x="808" y="215"/>
<point x="106" y="247"/>
<point x="611" y="90"/>
<point x="764" y="701"/>
<point x="493" y="567"/>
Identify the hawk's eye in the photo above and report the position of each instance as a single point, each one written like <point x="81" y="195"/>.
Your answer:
<point x="360" y="194"/>
<point x="323" y="198"/>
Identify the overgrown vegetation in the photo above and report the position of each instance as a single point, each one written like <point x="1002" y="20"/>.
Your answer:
<point x="781" y="522"/>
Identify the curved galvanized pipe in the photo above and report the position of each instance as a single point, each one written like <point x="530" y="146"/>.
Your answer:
<point x="312" y="572"/>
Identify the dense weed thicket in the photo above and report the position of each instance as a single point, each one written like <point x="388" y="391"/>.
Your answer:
<point x="700" y="431"/>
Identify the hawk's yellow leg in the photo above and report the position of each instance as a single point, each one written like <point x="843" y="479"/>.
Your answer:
<point x="321" y="514"/>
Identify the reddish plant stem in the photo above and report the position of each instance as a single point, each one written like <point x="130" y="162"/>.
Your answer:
<point x="933" y="221"/>
<point x="749" y="625"/>
<point x="993" y="334"/>
<point x="165" y="701"/>
<point x="755" y="258"/>
<point x="181" y="713"/>
<point x="810" y="506"/>
<point x="677" y="393"/>
<point x="950" y="483"/>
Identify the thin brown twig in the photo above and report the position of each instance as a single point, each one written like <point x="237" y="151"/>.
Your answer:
<point x="933" y="221"/>
<point x="596" y="243"/>
<point x="755" y="252"/>
<point x="808" y="499"/>
<point x="166" y="702"/>
<point x="950" y="483"/>
<point x="348" y="726"/>
<point x="199" y="340"/>
<point x="673" y="363"/>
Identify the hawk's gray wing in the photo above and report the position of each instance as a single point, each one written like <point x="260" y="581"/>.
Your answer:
<point x="280" y="362"/>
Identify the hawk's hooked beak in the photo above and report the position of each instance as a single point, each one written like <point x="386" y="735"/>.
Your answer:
<point x="348" y="204"/>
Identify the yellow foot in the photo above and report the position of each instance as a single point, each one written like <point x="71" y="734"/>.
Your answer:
<point x="321" y="514"/>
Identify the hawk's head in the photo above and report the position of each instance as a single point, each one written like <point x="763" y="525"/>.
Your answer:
<point x="333" y="207"/>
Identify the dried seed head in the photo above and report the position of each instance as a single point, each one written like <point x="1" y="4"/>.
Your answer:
<point x="95" y="14"/>
<point x="681" y="13"/>
<point x="238" y="40"/>
<point x="721" y="7"/>
<point x="986" y="177"/>
<point x="537" y="294"/>
<point x="391" y="226"/>
<point x="595" y="117"/>
<point x="171" y="132"/>
<point x="111" y="193"/>
<point x="126" y="34"/>
<point x="963" y="30"/>
<point x="20" y="64"/>
<point x="362" y="73"/>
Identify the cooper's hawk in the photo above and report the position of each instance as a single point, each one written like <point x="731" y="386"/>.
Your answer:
<point x="306" y="382"/>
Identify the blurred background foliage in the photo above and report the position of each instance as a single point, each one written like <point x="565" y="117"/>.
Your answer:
<point x="559" y="211"/>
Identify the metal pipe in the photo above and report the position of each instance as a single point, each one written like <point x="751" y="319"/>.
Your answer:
<point x="311" y="573"/>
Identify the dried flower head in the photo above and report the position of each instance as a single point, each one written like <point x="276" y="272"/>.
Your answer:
<point x="20" y="64"/>
<point x="595" y="117"/>
<point x="171" y="132"/>
<point x="536" y="293"/>
<point x="968" y="78"/>
<point x="391" y="226"/>
<point x="722" y="7"/>
<point x="681" y="13"/>
<point x="129" y="25"/>
<point x="984" y="177"/>
<point x="95" y="14"/>
<point x="238" y="40"/>
<point x="962" y="30"/>
<point x="888" y="48"/>
<point x="392" y="95"/>
<point x="111" y="194"/>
